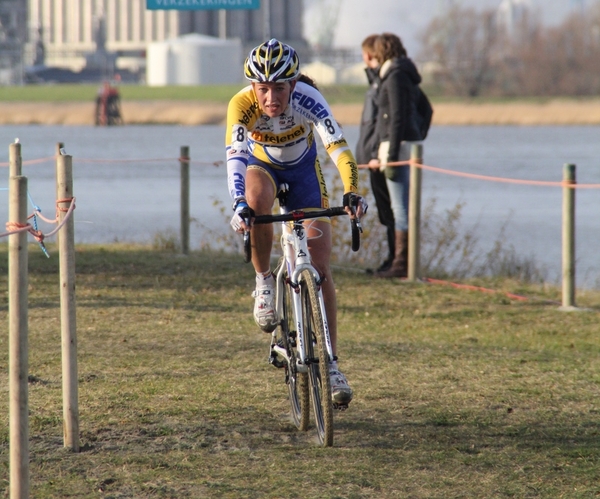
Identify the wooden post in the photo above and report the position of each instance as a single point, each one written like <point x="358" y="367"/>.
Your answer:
<point x="568" y="238"/>
<point x="18" y="348"/>
<point x="184" y="158"/>
<point x="414" y="214"/>
<point x="14" y="160"/>
<point x="66" y="249"/>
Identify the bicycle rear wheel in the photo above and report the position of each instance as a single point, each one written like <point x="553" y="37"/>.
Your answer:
<point x="297" y="382"/>
<point x="317" y="358"/>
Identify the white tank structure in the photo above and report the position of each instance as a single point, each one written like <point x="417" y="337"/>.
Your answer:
<point x="194" y="59"/>
<point x="158" y="73"/>
<point x="322" y="73"/>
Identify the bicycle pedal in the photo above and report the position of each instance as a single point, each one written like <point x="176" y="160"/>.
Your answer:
<point x="340" y="407"/>
<point x="301" y="368"/>
<point x="274" y="361"/>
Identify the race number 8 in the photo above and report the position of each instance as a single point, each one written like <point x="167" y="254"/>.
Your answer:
<point x="240" y="135"/>
<point x="330" y="127"/>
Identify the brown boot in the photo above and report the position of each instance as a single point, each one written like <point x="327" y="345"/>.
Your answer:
<point x="399" y="267"/>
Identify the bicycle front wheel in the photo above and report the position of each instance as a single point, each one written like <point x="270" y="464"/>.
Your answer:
<point x="297" y="382"/>
<point x="317" y="358"/>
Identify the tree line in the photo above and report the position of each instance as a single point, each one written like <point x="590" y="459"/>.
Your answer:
<point x="472" y="53"/>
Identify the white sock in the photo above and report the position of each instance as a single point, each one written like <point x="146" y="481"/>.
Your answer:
<point x="265" y="279"/>
<point x="333" y="366"/>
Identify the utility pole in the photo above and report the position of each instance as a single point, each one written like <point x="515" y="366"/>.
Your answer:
<point x="266" y="19"/>
<point x="223" y="23"/>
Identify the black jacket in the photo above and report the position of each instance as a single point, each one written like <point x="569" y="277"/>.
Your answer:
<point x="366" y="149"/>
<point x="398" y="95"/>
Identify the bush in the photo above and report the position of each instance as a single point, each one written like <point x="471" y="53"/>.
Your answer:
<point x="448" y="249"/>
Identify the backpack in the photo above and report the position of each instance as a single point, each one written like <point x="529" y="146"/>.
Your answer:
<point x="424" y="113"/>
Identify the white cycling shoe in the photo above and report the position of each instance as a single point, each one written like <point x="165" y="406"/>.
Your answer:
<point x="265" y="314"/>
<point x="341" y="393"/>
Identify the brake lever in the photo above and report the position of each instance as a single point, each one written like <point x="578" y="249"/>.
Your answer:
<point x="247" y="242"/>
<point x="356" y="220"/>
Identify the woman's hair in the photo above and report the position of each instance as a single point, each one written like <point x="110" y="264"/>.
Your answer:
<point x="308" y="80"/>
<point x="368" y="44"/>
<point x="388" y="46"/>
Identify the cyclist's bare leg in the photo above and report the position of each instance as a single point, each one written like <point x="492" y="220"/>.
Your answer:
<point x="319" y="244"/>
<point x="260" y="195"/>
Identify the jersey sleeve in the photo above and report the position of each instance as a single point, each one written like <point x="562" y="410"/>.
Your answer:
<point x="313" y="105"/>
<point x="344" y="160"/>
<point x="239" y="119"/>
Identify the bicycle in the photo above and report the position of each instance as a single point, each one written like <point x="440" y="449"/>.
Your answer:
<point x="301" y="344"/>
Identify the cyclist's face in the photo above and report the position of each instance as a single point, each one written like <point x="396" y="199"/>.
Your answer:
<point x="273" y="97"/>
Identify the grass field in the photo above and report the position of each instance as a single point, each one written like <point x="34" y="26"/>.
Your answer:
<point x="457" y="393"/>
<point x="335" y="94"/>
<point x="208" y="93"/>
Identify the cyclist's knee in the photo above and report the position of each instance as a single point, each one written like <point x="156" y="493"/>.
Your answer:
<point x="260" y="199"/>
<point x="260" y="192"/>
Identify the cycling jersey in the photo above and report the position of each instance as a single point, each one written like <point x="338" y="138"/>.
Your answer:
<point x="286" y="141"/>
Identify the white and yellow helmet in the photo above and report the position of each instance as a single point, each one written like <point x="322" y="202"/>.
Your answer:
<point x="272" y="61"/>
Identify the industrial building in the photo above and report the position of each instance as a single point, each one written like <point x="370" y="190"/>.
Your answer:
<point x="113" y="35"/>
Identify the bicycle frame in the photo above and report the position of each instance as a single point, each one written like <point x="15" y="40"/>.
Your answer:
<point x="296" y="258"/>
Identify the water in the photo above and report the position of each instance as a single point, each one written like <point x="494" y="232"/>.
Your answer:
<point x="532" y="214"/>
<point x="133" y="193"/>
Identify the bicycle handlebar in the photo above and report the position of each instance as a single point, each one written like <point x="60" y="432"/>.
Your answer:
<point x="299" y="215"/>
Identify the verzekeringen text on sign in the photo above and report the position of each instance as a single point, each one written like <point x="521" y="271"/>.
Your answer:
<point x="202" y="4"/>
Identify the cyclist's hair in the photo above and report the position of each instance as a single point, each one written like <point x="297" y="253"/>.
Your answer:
<point x="308" y="80"/>
<point x="388" y="46"/>
<point x="272" y="61"/>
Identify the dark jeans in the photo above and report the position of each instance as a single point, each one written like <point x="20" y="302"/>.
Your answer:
<point x="384" y="205"/>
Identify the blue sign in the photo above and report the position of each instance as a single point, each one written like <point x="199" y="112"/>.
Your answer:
<point x="201" y="4"/>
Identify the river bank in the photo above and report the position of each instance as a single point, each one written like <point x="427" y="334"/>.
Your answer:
<point x="554" y="112"/>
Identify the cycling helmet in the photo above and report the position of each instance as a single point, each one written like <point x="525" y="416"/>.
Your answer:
<point x="272" y="61"/>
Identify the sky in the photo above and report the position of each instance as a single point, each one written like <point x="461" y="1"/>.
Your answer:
<point x="357" y="19"/>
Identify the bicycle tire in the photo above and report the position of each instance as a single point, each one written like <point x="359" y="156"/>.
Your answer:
<point x="297" y="382"/>
<point x="318" y="367"/>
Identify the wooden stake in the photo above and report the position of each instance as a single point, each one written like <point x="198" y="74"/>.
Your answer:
<point x="18" y="342"/>
<point x="414" y="214"/>
<point x="14" y="160"/>
<point x="66" y="248"/>
<point x="568" y="238"/>
<point x="184" y="156"/>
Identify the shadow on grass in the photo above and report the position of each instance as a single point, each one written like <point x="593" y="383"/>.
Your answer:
<point x="128" y="261"/>
<point x="563" y="434"/>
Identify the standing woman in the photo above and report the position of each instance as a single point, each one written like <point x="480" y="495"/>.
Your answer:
<point x="397" y="130"/>
<point x="366" y="148"/>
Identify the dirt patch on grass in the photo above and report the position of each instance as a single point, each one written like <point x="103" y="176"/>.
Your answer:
<point x="555" y="112"/>
<point x="134" y="112"/>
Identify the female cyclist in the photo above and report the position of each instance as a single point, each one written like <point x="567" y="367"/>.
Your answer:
<point x="269" y="141"/>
